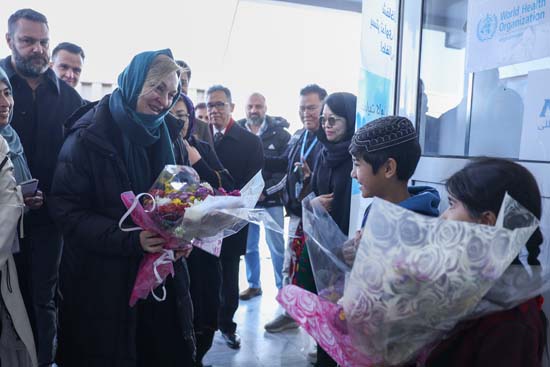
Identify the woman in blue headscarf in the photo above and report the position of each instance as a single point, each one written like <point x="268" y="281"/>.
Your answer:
<point x="118" y="144"/>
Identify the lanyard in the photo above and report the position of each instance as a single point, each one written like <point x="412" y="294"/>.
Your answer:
<point x="302" y="156"/>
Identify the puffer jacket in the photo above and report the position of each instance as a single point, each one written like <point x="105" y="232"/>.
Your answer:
<point x="274" y="139"/>
<point x="100" y="262"/>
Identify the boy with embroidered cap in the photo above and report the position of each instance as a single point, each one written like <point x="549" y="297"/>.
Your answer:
<point x="385" y="154"/>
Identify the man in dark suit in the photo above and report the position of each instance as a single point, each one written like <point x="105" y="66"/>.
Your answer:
<point x="241" y="153"/>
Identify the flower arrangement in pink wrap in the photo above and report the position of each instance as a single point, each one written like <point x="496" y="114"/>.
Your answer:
<point x="414" y="278"/>
<point x="162" y="211"/>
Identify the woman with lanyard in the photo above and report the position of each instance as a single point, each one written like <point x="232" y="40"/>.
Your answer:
<point x="118" y="144"/>
<point x="331" y="180"/>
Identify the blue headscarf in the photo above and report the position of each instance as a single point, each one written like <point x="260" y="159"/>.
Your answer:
<point x="17" y="155"/>
<point x="146" y="141"/>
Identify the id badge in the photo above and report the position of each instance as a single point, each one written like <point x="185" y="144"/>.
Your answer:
<point x="298" y="189"/>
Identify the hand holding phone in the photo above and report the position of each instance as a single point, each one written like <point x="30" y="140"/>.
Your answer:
<point x="31" y="195"/>
<point x="29" y="187"/>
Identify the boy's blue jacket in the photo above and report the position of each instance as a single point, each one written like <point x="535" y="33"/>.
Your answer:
<point x="424" y="200"/>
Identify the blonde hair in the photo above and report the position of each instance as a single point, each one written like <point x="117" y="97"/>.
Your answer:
<point x="160" y="68"/>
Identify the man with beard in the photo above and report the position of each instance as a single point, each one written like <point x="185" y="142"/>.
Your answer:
<point x="42" y="104"/>
<point x="271" y="130"/>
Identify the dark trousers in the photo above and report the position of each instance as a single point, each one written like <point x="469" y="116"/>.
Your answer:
<point x="229" y="292"/>
<point x="37" y="269"/>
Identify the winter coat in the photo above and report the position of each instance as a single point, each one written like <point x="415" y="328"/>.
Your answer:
<point x="201" y="131"/>
<point x="38" y="118"/>
<point x="208" y="167"/>
<point x="17" y="348"/>
<point x="511" y="338"/>
<point x="241" y="153"/>
<point x="333" y="176"/>
<point x="100" y="262"/>
<point x="286" y="162"/>
<point x="274" y="139"/>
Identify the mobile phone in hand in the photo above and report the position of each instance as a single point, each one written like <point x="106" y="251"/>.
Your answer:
<point x="29" y="187"/>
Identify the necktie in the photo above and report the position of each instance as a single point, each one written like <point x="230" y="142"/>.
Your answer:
<point x="218" y="137"/>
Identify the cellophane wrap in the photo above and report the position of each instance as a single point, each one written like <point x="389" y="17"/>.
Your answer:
<point x="186" y="212"/>
<point x="414" y="278"/>
<point x="324" y="241"/>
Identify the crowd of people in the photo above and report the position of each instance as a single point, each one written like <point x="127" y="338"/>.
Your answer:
<point x="67" y="270"/>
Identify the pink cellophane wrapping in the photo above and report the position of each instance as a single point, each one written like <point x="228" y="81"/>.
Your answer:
<point x="414" y="278"/>
<point x="146" y="279"/>
<point x="320" y="319"/>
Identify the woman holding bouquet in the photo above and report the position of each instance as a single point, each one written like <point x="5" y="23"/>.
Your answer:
<point x="204" y="268"/>
<point x="118" y="144"/>
<point x="331" y="180"/>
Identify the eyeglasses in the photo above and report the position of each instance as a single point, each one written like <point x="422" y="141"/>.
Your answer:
<point x="216" y="105"/>
<point x="330" y="121"/>
<point x="309" y="108"/>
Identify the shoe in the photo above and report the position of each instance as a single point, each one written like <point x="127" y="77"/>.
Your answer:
<point x="250" y="293"/>
<point x="233" y="340"/>
<point x="281" y="322"/>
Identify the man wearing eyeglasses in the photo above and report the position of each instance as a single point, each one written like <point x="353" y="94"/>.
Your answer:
<point x="297" y="161"/>
<point x="272" y="131"/>
<point x="241" y="153"/>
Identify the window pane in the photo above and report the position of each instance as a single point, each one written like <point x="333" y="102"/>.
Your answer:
<point x="443" y="85"/>
<point x="498" y="109"/>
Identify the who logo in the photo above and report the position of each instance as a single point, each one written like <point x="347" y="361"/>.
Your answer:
<point x="487" y="27"/>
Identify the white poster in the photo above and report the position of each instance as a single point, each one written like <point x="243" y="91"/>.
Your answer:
<point x="380" y="19"/>
<point x="505" y="32"/>
<point x="535" y="136"/>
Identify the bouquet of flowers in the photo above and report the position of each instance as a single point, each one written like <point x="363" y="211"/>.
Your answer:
<point x="186" y="212"/>
<point x="414" y="278"/>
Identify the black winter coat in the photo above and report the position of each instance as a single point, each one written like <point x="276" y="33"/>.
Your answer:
<point x="208" y="167"/>
<point x="242" y="154"/>
<point x="100" y="262"/>
<point x="286" y="161"/>
<point x="38" y="118"/>
<point x="275" y="142"/>
<point x="204" y="268"/>
<point x="331" y="174"/>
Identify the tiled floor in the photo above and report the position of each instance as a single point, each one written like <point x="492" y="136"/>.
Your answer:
<point x="259" y="348"/>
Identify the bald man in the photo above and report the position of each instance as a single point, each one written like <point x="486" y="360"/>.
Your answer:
<point x="274" y="137"/>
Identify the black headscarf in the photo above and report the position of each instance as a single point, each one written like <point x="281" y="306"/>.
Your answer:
<point x="344" y="105"/>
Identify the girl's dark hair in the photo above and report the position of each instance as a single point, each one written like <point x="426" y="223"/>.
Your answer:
<point x="482" y="184"/>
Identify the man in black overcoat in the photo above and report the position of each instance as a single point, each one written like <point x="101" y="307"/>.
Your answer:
<point x="241" y="153"/>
